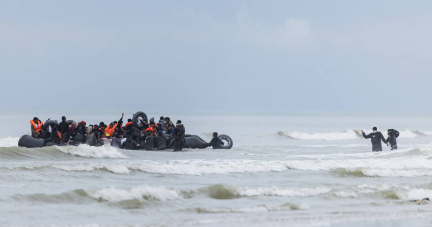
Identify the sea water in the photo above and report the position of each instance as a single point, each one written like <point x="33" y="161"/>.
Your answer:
<point x="285" y="169"/>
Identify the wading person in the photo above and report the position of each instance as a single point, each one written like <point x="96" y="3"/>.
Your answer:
<point x="376" y="138"/>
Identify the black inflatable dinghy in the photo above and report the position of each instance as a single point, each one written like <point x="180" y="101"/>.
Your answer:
<point x="191" y="141"/>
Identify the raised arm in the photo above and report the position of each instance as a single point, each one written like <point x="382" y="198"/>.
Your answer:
<point x="367" y="136"/>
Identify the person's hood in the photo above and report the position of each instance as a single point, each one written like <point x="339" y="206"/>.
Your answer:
<point x="179" y="124"/>
<point x="82" y="123"/>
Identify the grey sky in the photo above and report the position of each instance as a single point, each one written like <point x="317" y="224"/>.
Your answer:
<point x="216" y="55"/>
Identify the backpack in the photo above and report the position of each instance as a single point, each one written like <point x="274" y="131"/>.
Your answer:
<point x="395" y="132"/>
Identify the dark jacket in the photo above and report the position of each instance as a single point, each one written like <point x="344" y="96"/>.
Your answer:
<point x="177" y="143"/>
<point x="130" y="145"/>
<point x="392" y="140"/>
<point x="376" y="138"/>
<point x="134" y="131"/>
<point x="63" y="127"/>
<point x="80" y="129"/>
<point x="216" y="143"/>
<point x="150" y="142"/>
<point x="180" y="129"/>
<point x="161" y="141"/>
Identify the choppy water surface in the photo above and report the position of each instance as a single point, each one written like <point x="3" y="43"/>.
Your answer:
<point x="296" y="169"/>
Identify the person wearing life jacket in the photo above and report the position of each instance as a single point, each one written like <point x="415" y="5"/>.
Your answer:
<point x="112" y="127"/>
<point x="376" y="138"/>
<point x="151" y="128"/>
<point x="152" y="123"/>
<point x="101" y="130"/>
<point x="128" y="125"/>
<point x="36" y="127"/>
<point x="180" y="129"/>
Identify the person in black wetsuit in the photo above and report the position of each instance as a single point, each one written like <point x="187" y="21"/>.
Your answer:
<point x="376" y="138"/>
<point x="216" y="143"/>
<point x="392" y="139"/>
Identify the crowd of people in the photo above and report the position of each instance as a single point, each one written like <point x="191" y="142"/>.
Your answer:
<point x="149" y="135"/>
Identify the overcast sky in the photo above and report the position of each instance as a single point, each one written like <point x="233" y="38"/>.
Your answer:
<point x="216" y="55"/>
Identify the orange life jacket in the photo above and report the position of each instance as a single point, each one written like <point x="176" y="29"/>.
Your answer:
<point x="59" y="135"/>
<point x="150" y="129"/>
<point x="111" y="130"/>
<point x="37" y="127"/>
<point x="127" y="124"/>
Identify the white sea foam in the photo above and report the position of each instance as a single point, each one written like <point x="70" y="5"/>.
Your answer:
<point x="84" y="150"/>
<point x="345" y="135"/>
<point x="139" y="193"/>
<point x="400" y="166"/>
<point x="283" y="192"/>
<point x="9" y="142"/>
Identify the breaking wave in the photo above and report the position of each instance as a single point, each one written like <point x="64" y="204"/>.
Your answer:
<point x="143" y="195"/>
<point x="60" y="152"/>
<point x="401" y="163"/>
<point x="9" y="142"/>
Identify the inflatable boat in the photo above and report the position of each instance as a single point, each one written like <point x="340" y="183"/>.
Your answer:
<point x="191" y="141"/>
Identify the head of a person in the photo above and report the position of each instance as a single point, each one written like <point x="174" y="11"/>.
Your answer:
<point x="129" y="120"/>
<point x="149" y="133"/>
<point x="215" y="134"/>
<point x="178" y="121"/>
<point x="161" y="118"/>
<point x="115" y="122"/>
<point x="101" y="124"/>
<point x="167" y="119"/>
<point x="374" y="129"/>
<point x="152" y="124"/>
<point x="83" y="123"/>
<point x="63" y="119"/>
<point x="35" y="120"/>
<point x="74" y="123"/>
